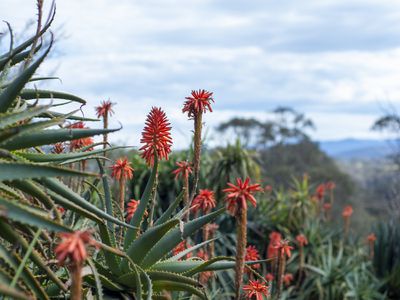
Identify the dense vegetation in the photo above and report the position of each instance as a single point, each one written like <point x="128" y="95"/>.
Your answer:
<point x="267" y="219"/>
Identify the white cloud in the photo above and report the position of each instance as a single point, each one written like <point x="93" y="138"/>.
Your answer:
<point x="326" y="58"/>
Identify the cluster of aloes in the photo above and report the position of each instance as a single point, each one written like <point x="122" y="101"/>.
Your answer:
<point x="157" y="146"/>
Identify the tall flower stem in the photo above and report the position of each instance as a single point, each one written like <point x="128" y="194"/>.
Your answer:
<point x="281" y="272"/>
<point x="186" y="199"/>
<point x="76" y="282"/>
<point x="198" y="119"/>
<point x="153" y="201"/>
<point x="241" y="223"/>
<point x="122" y="182"/>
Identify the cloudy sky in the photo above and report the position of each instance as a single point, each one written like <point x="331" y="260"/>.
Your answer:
<point x="337" y="61"/>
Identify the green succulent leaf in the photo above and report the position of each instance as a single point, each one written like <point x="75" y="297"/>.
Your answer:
<point x="10" y="93"/>
<point x="28" y="94"/>
<point x="143" y="244"/>
<point x="170" y="210"/>
<point x="50" y="157"/>
<point x="59" y="188"/>
<point x="17" y="170"/>
<point x="30" y="216"/>
<point x="51" y="136"/>
<point x="174" y="237"/>
<point x="139" y="213"/>
<point x="13" y="237"/>
<point x="178" y="286"/>
<point x="14" y="261"/>
<point x="11" y="118"/>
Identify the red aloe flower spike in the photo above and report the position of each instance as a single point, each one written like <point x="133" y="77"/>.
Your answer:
<point x="288" y="278"/>
<point x="256" y="289"/>
<point x="72" y="247"/>
<point x="284" y="248"/>
<point x="347" y="211"/>
<point x="269" y="277"/>
<point x="238" y="195"/>
<point x="104" y="109"/>
<point x="58" y="148"/>
<point x="205" y="201"/>
<point x="302" y="240"/>
<point x="122" y="171"/>
<point x="320" y="191"/>
<point x="181" y="247"/>
<point x="252" y="255"/>
<point x="275" y="238"/>
<point x="131" y="209"/>
<point x="199" y="102"/>
<point x="284" y="251"/>
<point x="72" y="251"/>
<point x="184" y="169"/>
<point x="195" y="105"/>
<point x="346" y="214"/>
<point x="82" y="142"/>
<point x="371" y="238"/>
<point x="156" y="136"/>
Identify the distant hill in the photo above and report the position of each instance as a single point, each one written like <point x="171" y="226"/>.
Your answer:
<point x="357" y="148"/>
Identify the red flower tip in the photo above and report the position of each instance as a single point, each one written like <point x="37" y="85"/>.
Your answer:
<point x="284" y="248"/>
<point x="77" y="125"/>
<point x="82" y="142"/>
<point x="320" y="191"/>
<point x="156" y="136"/>
<point x="122" y="169"/>
<point x="184" y="169"/>
<point x="330" y="185"/>
<point x="347" y="211"/>
<point x="73" y="247"/>
<point x="288" y="278"/>
<point x="204" y="200"/>
<point x="181" y="247"/>
<point x="252" y="255"/>
<point x="58" y="148"/>
<point x="104" y="109"/>
<point x="199" y="102"/>
<point x="275" y="238"/>
<point x="327" y="206"/>
<point x="131" y="209"/>
<point x="371" y="237"/>
<point x="237" y="195"/>
<point x="302" y="240"/>
<point x="257" y="289"/>
<point x="269" y="277"/>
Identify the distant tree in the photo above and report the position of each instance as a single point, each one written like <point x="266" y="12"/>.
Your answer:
<point x="243" y="128"/>
<point x="284" y="126"/>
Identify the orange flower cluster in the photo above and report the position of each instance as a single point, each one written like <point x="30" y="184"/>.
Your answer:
<point x="72" y="248"/>
<point x="256" y="289"/>
<point x="122" y="169"/>
<point x="238" y="195"/>
<point x="204" y="201"/>
<point x="156" y="136"/>
<point x="199" y="102"/>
